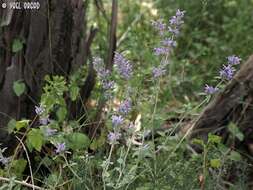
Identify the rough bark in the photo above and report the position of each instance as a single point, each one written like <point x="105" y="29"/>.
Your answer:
<point x="55" y="43"/>
<point x="233" y="104"/>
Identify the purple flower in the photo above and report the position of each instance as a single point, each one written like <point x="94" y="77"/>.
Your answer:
<point x="104" y="76"/>
<point x="180" y="14"/>
<point x="98" y="64"/>
<point x="233" y="60"/>
<point x="117" y="120"/>
<point x="227" y="72"/>
<point x="5" y="160"/>
<point x="60" y="147"/>
<point x="50" y="132"/>
<point x="175" y="22"/>
<point x="159" y="26"/>
<point x="174" y="31"/>
<point x="44" y="120"/>
<point x="169" y="42"/>
<point x="113" y="137"/>
<point x="210" y="89"/>
<point x="123" y="66"/>
<point x="161" y="51"/>
<point x="125" y="107"/>
<point x="39" y="110"/>
<point x="177" y="19"/>
<point x="158" y="71"/>
<point x="108" y="85"/>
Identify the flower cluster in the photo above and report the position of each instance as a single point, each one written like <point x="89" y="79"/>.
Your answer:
<point x="104" y="76"/>
<point x="124" y="69"/>
<point x="168" y="33"/>
<point x="227" y="72"/>
<point x="125" y="107"/>
<point x="117" y="120"/>
<point x="4" y="160"/>
<point x="113" y="137"/>
<point x="50" y="132"/>
<point x="60" y="148"/>
<point x="159" y="26"/>
<point x="210" y="89"/>
<point x="123" y="66"/>
<point x="43" y="117"/>
<point x="234" y="60"/>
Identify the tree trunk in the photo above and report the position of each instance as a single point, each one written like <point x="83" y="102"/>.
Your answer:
<point x="233" y="104"/>
<point x="55" y="43"/>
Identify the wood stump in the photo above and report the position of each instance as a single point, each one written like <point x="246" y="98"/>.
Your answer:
<point x="56" y="42"/>
<point x="233" y="104"/>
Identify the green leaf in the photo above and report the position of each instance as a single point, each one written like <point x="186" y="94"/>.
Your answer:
<point x="215" y="163"/>
<point x="61" y="113"/>
<point x="18" y="167"/>
<point x="35" y="139"/>
<point x="11" y="125"/>
<point x="99" y="142"/>
<point x="235" y="156"/>
<point x="74" y="91"/>
<point x="22" y="124"/>
<point x="214" y="139"/>
<point x="235" y="131"/>
<point x="198" y="142"/>
<point x="78" y="141"/>
<point x="17" y="45"/>
<point x="19" y="88"/>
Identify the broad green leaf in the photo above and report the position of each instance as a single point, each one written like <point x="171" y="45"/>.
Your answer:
<point x="235" y="156"/>
<point x="35" y="139"/>
<point x="17" y="45"/>
<point x="235" y="131"/>
<point x="61" y="113"/>
<point x="78" y="141"/>
<point x="19" y="88"/>
<point x="22" y="124"/>
<point x="215" y="163"/>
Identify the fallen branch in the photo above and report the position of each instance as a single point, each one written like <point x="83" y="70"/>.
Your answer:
<point x="21" y="183"/>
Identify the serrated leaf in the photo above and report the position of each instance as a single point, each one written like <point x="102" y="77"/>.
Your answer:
<point x="19" y="88"/>
<point x="78" y="141"/>
<point x="35" y="139"/>
<point x="214" y="139"/>
<point x="17" y="45"/>
<point x="215" y="163"/>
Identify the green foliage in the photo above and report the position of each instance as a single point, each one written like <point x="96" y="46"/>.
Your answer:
<point x="18" y="166"/>
<point x="35" y="139"/>
<point x="22" y="124"/>
<point x="19" y="87"/>
<point x="17" y="45"/>
<point x="78" y="141"/>
<point x="64" y="156"/>
<point x="235" y="131"/>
